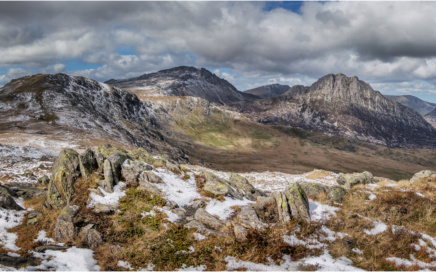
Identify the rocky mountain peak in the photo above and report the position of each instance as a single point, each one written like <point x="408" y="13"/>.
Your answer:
<point x="183" y="81"/>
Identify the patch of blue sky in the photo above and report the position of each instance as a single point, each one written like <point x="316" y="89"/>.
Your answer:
<point x="77" y="65"/>
<point x="293" y="6"/>
<point x="125" y="50"/>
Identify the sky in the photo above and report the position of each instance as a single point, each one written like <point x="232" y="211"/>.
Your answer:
<point x="390" y="45"/>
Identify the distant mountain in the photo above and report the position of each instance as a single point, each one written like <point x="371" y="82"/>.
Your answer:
<point x="421" y="106"/>
<point x="76" y="109"/>
<point x="183" y="81"/>
<point x="346" y="107"/>
<point x="431" y="117"/>
<point x="268" y="91"/>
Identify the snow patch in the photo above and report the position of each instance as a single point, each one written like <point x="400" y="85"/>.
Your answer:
<point x="320" y="212"/>
<point x="43" y="238"/>
<point x="223" y="209"/>
<point x="73" y="259"/>
<point x="124" y="264"/>
<point x="108" y="198"/>
<point x="9" y="219"/>
<point x="378" y="228"/>
<point x="199" y="236"/>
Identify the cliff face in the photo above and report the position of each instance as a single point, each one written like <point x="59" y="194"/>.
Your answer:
<point x="346" y="107"/>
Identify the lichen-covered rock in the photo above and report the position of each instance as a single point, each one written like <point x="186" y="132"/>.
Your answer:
<point x="117" y="159"/>
<point x="142" y="155"/>
<point x="244" y="187"/>
<point x="130" y="170"/>
<point x="93" y="239"/>
<point x="202" y="228"/>
<point x="293" y="203"/>
<point x="87" y="162"/>
<point x="209" y="220"/>
<point x="313" y="190"/>
<point x="423" y="174"/>
<point x="109" y="180"/>
<point x="216" y="188"/>
<point x="100" y="158"/>
<point x="351" y="180"/>
<point x="65" y="172"/>
<point x="45" y="180"/>
<point x="105" y="209"/>
<point x="65" y="230"/>
<point x="147" y="186"/>
<point x="150" y="177"/>
<point x="248" y="218"/>
<point x="33" y="217"/>
<point x="7" y="201"/>
<point x="336" y="194"/>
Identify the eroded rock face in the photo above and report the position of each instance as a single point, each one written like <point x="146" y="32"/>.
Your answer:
<point x="248" y="218"/>
<point x="293" y="203"/>
<point x="93" y="239"/>
<point x="65" y="230"/>
<point x="65" y="172"/>
<point x="109" y="180"/>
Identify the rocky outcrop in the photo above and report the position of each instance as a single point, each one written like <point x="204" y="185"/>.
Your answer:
<point x="65" y="172"/>
<point x="351" y="180"/>
<point x="346" y="107"/>
<point x="293" y="203"/>
<point x="244" y="188"/>
<point x="65" y="230"/>
<point x="131" y="170"/>
<point x="313" y="190"/>
<point x="423" y="175"/>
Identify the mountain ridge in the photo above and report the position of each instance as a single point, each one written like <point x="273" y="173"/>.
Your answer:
<point x="268" y="91"/>
<point x="421" y="106"/>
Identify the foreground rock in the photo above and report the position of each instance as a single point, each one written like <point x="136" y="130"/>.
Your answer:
<point x="65" y="172"/>
<point x="293" y="203"/>
<point x="65" y="230"/>
<point x="423" y="174"/>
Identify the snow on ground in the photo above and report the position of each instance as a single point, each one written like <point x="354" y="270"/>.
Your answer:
<point x="183" y="192"/>
<point x="108" y="198"/>
<point x="378" y="228"/>
<point x="321" y="212"/>
<point x="124" y="264"/>
<point x="9" y="219"/>
<point x="310" y="243"/>
<point x="325" y="262"/>
<point x="73" y="259"/>
<point x="42" y="237"/>
<point x="192" y="268"/>
<point x="172" y="217"/>
<point x="223" y="209"/>
<point x="199" y="236"/>
<point x="275" y="181"/>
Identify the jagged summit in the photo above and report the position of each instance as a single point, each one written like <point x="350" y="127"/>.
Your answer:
<point x="183" y="81"/>
<point x="346" y="107"/>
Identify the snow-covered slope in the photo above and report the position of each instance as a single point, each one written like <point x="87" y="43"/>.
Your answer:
<point x="183" y="81"/>
<point x="75" y="110"/>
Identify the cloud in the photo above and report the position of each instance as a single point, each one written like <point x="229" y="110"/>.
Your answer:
<point x="381" y="42"/>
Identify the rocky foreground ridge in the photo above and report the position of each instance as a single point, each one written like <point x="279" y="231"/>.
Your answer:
<point x="346" y="107"/>
<point x="121" y="209"/>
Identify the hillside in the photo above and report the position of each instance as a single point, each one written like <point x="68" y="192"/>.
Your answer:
<point x="268" y="91"/>
<point x="346" y="107"/>
<point x="431" y="118"/>
<point x="110" y="209"/>
<point x="413" y="102"/>
<point x="183" y="81"/>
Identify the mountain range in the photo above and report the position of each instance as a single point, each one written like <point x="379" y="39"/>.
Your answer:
<point x="421" y="106"/>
